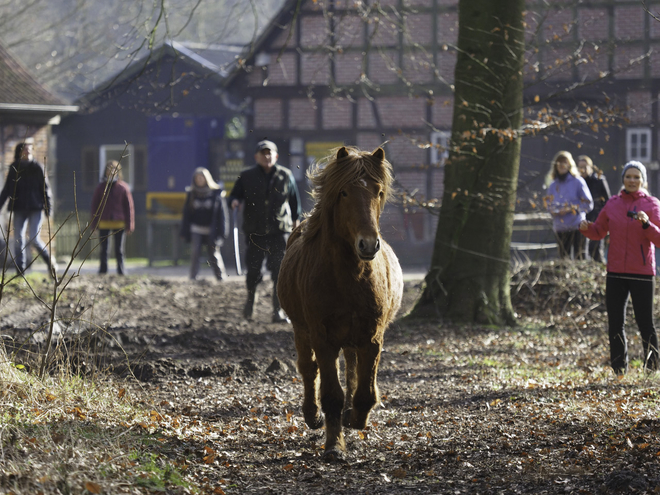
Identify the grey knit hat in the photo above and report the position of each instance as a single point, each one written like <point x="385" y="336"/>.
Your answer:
<point x="634" y="164"/>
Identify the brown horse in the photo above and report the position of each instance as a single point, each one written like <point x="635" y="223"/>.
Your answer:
<point x="341" y="285"/>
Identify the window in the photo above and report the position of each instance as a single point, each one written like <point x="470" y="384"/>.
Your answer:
<point x="124" y="154"/>
<point x="439" y="147"/>
<point x="638" y="144"/>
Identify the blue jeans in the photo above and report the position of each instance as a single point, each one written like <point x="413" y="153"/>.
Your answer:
<point x="215" y="260"/>
<point x="21" y="221"/>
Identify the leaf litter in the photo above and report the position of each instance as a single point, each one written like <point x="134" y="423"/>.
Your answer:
<point x="190" y="398"/>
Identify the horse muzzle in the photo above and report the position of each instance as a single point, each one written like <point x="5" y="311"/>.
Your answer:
<point x="367" y="247"/>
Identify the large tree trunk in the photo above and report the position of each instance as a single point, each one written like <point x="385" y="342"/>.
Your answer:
<point x="469" y="275"/>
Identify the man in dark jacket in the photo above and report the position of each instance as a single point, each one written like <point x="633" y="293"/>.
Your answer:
<point x="272" y="210"/>
<point x="600" y="192"/>
<point x="29" y="195"/>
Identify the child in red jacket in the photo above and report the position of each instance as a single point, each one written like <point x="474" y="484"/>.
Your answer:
<point x="113" y="214"/>
<point x="632" y="218"/>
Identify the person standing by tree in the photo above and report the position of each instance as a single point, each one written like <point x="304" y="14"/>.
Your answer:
<point x="205" y="222"/>
<point x="632" y="219"/>
<point x="272" y="210"/>
<point x="29" y="195"/>
<point x="113" y="214"/>
<point x="568" y="200"/>
<point x="600" y="193"/>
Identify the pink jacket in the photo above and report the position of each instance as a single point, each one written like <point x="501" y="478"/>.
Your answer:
<point x="118" y="206"/>
<point x="631" y="246"/>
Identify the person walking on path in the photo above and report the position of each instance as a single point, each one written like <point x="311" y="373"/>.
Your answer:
<point x="28" y="191"/>
<point x="113" y="214"/>
<point x="632" y="219"/>
<point x="600" y="193"/>
<point x="272" y="210"/>
<point x="568" y="200"/>
<point x="205" y="222"/>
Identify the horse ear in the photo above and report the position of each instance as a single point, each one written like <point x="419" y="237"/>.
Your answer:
<point x="342" y="153"/>
<point x="379" y="155"/>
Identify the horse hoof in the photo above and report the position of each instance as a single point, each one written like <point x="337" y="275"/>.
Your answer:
<point x="314" y="423"/>
<point x="333" y="455"/>
<point x="350" y="420"/>
<point x="346" y="418"/>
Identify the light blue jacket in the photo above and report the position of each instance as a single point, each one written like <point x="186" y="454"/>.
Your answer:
<point x="571" y="192"/>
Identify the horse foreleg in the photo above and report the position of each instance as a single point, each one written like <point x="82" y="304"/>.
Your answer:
<point x="350" y="360"/>
<point x="366" y="394"/>
<point x="309" y="370"/>
<point x="332" y="401"/>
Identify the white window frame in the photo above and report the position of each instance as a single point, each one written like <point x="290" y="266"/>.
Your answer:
<point x="114" y="152"/>
<point x="635" y="150"/>
<point x="439" y="157"/>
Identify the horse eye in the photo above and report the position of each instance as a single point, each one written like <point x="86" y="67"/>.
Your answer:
<point x="343" y="193"/>
<point x="381" y="194"/>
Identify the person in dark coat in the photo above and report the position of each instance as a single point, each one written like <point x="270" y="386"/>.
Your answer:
<point x="600" y="192"/>
<point x="28" y="192"/>
<point x="113" y="214"/>
<point x="205" y="222"/>
<point x="272" y="210"/>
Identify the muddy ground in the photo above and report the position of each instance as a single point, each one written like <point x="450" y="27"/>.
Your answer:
<point x="455" y="414"/>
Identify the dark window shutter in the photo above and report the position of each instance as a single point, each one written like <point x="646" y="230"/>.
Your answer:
<point x="140" y="168"/>
<point x="90" y="168"/>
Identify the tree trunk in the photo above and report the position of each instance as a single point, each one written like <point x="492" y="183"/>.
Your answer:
<point x="469" y="275"/>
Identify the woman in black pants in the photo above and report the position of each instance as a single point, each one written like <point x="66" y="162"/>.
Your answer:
<point x="632" y="219"/>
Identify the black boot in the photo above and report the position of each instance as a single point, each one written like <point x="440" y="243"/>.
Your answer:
<point x="248" y="310"/>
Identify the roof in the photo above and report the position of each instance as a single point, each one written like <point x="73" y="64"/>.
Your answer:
<point x="20" y="92"/>
<point x="216" y="61"/>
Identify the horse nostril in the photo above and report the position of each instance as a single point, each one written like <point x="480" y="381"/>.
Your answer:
<point x="377" y="244"/>
<point x="361" y="245"/>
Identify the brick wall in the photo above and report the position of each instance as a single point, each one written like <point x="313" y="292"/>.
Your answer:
<point x="447" y="28"/>
<point x="314" y="31"/>
<point x="349" y="32"/>
<point x="629" y="22"/>
<point x="282" y="72"/>
<point x="622" y="57"/>
<point x="442" y="112"/>
<point x="418" y="66"/>
<point x="287" y="36"/>
<point x="383" y="66"/>
<point x="556" y="63"/>
<point x="384" y="31"/>
<point x="315" y="68"/>
<point x="446" y="63"/>
<point x="558" y="25"/>
<point x="268" y="113"/>
<point x="401" y="111"/>
<point x="302" y="114"/>
<point x="639" y="107"/>
<point x="418" y="29"/>
<point x="337" y="113"/>
<point x="348" y="67"/>
<point x="594" y="60"/>
<point x="593" y="24"/>
<point x="404" y="151"/>
<point x="366" y="117"/>
<point x="369" y="141"/>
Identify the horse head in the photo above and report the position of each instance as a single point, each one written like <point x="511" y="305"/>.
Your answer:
<point x="361" y="200"/>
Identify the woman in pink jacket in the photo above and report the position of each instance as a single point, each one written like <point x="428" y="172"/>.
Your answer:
<point x="632" y="218"/>
<point x="113" y="214"/>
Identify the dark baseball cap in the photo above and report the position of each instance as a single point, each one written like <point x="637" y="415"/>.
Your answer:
<point x="266" y="145"/>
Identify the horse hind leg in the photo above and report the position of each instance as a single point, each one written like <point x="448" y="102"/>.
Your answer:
<point x="350" y="372"/>
<point x="309" y="370"/>
<point x="366" y="393"/>
<point x="332" y="403"/>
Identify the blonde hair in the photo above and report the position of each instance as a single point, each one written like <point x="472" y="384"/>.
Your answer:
<point x="112" y="170"/>
<point x="210" y="183"/>
<point x="585" y="158"/>
<point x="572" y="168"/>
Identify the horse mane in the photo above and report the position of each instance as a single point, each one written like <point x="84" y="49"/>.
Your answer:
<point x="343" y="166"/>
